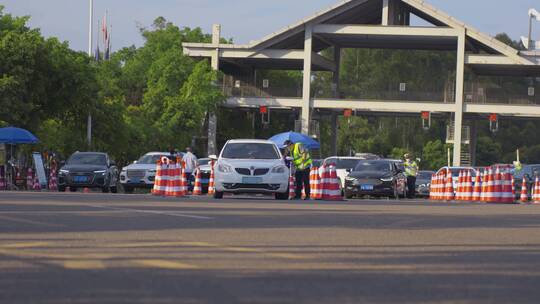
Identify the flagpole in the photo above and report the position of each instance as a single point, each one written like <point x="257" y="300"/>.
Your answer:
<point x="90" y="40"/>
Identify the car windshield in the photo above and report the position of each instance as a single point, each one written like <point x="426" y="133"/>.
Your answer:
<point x="456" y="171"/>
<point x="203" y="161"/>
<point x="373" y="166"/>
<point x="250" y="151"/>
<point x="87" y="159"/>
<point x="528" y="170"/>
<point x="150" y="159"/>
<point x="343" y="163"/>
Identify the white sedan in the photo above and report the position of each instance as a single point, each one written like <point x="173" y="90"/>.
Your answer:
<point x="251" y="166"/>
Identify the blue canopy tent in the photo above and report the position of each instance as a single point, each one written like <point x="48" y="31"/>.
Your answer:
<point x="12" y="136"/>
<point x="294" y="137"/>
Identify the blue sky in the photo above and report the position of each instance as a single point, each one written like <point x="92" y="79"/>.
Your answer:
<point x="243" y="20"/>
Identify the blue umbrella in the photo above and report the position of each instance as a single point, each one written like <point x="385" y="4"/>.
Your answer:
<point x="294" y="137"/>
<point x="11" y="135"/>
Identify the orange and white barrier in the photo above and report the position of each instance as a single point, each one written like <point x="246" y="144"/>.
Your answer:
<point x="524" y="196"/>
<point x="438" y="185"/>
<point x="507" y="195"/>
<point x="37" y="185"/>
<point x="477" y="188"/>
<point x="331" y="188"/>
<point x="315" y="183"/>
<point x="197" y="187"/>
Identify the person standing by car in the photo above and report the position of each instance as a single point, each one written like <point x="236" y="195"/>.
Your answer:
<point x="411" y="171"/>
<point x="302" y="162"/>
<point x="190" y="161"/>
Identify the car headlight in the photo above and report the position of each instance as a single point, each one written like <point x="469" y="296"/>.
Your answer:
<point x="352" y="181"/>
<point x="100" y="171"/>
<point x="387" y="179"/>
<point x="63" y="171"/>
<point x="224" y="168"/>
<point x="279" y="169"/>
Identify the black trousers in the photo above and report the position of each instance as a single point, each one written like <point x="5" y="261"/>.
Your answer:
<point x="411" y="185"/>
<point x="302" y="180"/>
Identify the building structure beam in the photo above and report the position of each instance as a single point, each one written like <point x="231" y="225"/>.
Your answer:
<point x="305" y="115"/>
<point x="488" y="59"/>
<point x="458" y="114"/>
<point x="419" y="31"/>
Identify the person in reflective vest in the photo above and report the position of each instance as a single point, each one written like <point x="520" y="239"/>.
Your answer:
<point x="411" y="171"/>
<point x="302" y="162"/>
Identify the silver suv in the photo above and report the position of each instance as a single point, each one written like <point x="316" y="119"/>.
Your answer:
<point x="142" y="173"/>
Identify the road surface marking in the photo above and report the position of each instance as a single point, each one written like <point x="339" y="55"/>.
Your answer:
<point x="172" y="213"/>
<point x="159" y="244"/>
<point x="84" y="264"/>
<point x="25" y="245"/>
<point x="18" y="220"/>
<point x="164" y="264"/>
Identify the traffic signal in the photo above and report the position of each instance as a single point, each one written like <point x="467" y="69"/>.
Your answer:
<point x="426" y="120"/>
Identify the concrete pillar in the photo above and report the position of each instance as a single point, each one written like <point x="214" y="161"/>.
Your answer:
<point x="306" y="89"/>
<point x="458" y="114"/>
<point x="474" y="141"/>
<point x="212" y="118"/>
<point x="335" y="81"/>
<point x="334" y="134"/>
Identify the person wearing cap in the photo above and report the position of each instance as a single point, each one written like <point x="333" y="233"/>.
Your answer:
<point x="411" y="171"/>
<point x="302" y="162"/>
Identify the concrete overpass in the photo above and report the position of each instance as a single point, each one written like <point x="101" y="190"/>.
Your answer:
<point x="379" y="24"/>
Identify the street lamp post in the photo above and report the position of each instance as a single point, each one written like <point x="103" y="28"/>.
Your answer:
<point x="90" y="40"/>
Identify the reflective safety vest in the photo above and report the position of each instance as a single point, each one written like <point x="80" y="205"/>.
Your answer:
<point x="411" y="168"/>
<point x="301" y="158"/>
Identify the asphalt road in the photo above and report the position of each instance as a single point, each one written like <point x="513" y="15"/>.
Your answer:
<point x="101" y="248"/>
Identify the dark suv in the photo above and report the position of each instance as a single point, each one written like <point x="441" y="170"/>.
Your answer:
<point x="89" y="170"/>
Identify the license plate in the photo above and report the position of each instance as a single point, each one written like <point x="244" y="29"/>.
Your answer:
<point x="251" y="180"/>
<point x="136" y="181"/>
<point x="366" y="187"/>
<point x="80" y="179"/>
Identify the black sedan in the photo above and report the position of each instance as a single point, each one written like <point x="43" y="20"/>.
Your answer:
<point x="423" y="183"/>
<point x="380" y="178"/>
<point x="88" y="170"/>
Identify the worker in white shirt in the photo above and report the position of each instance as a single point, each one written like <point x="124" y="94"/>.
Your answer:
<point x="191" y="164"/>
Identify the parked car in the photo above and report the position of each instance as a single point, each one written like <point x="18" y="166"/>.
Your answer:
<point x="382" y="178"/>
<point x="423" y="183"/>
<point x="88" y="170"/>
<point x="141" y="173"/>
<point x="251" y="166"/>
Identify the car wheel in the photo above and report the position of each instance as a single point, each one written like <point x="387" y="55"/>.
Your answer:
<point x="72" y="189"/>
<point x="128" y="190"/>
<point x="348" y="195"/>
<point x="282" y="196"/>
<point x="61" y="188"/>
<point x="218" y="195"/>
<point x="105" y="189"/>
<point x="114" y="189"/>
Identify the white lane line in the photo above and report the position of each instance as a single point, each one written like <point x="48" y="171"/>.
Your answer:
<point x="176" y="214"/>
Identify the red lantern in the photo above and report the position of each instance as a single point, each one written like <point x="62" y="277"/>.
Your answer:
<point x="263" y="110"/>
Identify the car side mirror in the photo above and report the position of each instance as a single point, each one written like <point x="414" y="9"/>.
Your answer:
<point x="112" y="164"/>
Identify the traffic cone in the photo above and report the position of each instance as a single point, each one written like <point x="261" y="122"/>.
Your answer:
<point x="29" y="179"/>
<point x="86" y="190"/>
<point x="497" y="187"/>
<point x="513" y="187"/>
<point x="507" y="194"/>
<point x="37" y="185"/>
<point x="524" y="197"/>
<point x="459" y="187"/>
<point x="449" y="194"/>
<point x="197" y="187"/>
<point x="333" y="191"/>
<point x="314" y="183"/>
<point x="477" y="190"/>
<point x="178" y="174"/>
<point x="292" y="192"/>
<point x="467" y="187"/>
<point x="159" y="182"/>
<point x="484" y="197"/>
<point x="53" y="184"/>
<point x="211" y="185"/>
<point x="536" y="192"/>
